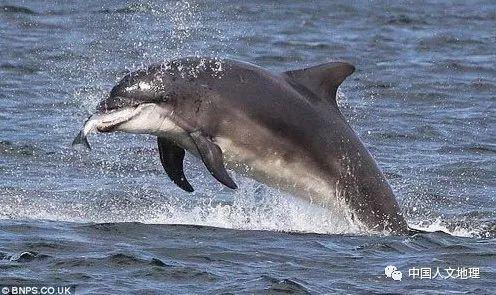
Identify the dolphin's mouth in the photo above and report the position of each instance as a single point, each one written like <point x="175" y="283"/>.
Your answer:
<point x="110" y="120"/>
<point x="110" y="124"/>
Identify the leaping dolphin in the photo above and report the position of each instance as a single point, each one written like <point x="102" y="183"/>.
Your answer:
<point x="284" y="130"/>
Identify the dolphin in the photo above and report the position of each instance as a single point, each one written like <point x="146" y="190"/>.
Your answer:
<point x="282" y="129"/>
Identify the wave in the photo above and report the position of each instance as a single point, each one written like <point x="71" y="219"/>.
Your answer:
<point x="16" y="9"/>
<point x="448" y="227"/>
<point x="131" y="8"/>
<point x="9" y="148"/>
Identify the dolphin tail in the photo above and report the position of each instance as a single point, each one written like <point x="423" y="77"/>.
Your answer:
<point x="81" y="139"/>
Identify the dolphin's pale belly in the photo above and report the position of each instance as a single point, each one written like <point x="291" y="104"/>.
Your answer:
<point x="295" y="177"/>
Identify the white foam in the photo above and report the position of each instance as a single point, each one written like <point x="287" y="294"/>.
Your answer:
<point x="274" y="211"/>
<point x="439" y="225"/>
<point x="252" y="207"/>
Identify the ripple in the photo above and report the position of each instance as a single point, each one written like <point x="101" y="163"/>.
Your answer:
<point x="124" y="259"/>
<point x="483" y="84"/>
<point x="303" y="44"/>
<point x="9" y="148"/>
<point x="461" y="66"/>
<point x="158" y="262"/>
<point x="130" y="9"/>
<point x="397" y="135"/>
<point x="27" y="256"/>
<point x="18" y="68"/>
<point x="16" y="9"/>
<point x="471" y="148"/>
<point x="284" y="286"/>
<point x="403" y="19"/>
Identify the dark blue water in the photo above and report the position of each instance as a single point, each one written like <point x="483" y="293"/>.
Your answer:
<point x="423" y="100"/>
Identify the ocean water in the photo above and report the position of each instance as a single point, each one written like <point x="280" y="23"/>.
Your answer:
<point x="423" y="100"/>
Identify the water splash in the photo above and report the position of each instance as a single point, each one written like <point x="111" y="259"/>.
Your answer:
<point x="257" y="209"/>
<point x="252" y="207"/>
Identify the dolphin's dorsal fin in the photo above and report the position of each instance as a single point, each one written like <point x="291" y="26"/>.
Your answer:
<point x="172" y="157"/>
<point x="322" y="80"/>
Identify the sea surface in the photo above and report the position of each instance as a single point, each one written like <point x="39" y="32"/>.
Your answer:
<point x="109" y="221"/>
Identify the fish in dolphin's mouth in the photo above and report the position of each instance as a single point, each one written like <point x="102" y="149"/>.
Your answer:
<point x="104" y="122"/>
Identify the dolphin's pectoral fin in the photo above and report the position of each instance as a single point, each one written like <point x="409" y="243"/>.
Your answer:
<point x="322" y="80"/>
<point x="172" y="158"/>
<point x="211" y="155"/>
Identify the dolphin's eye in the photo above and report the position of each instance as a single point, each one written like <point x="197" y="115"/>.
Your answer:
<point x="167" y="96"/>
